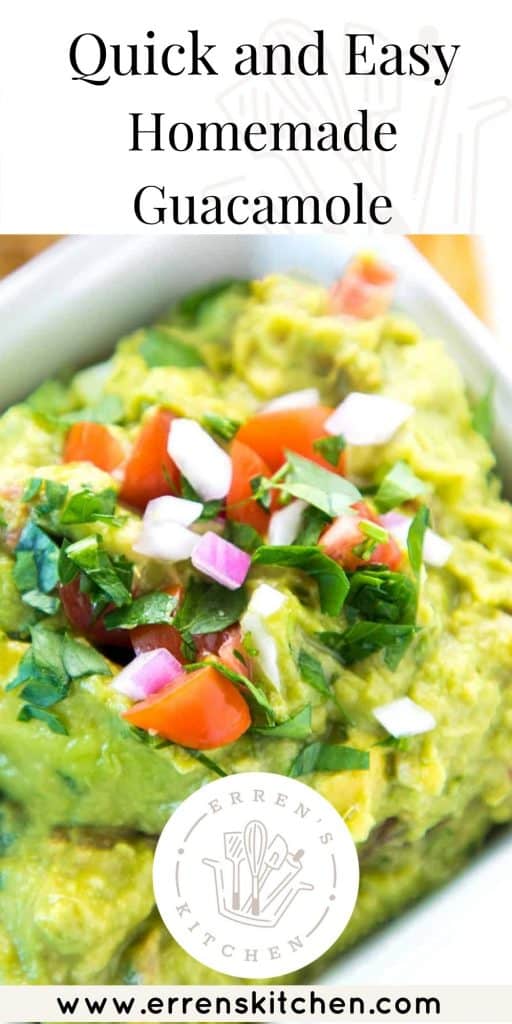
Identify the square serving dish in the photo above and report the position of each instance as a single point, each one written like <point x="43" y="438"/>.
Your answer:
<point x="67" y="307"/>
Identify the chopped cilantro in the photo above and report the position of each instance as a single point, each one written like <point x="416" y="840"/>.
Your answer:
<point x="330" y="448"/>
<point x="380" y="595"/>
<point x="255" y="691"/>
<point x="207" y="762"/>
<point x="108" y="409"/>
<point x="327" y="491"/>
<point x="211" y="509"/>
<point x="312" y="672"/>
<point x="222" y="426"/>
<point x="192" y="307"/>
<point x="243" y="535"/>
<point x="48" y="604"/>
<point x="112" y="576"/>
<point x="314" y="522"/>
<point x="399" y="485"/>
<point x="32" y="487"/>
<point x="36" y="565"/>
<point x="163" y="346"/>
<point x="415" y="538"/>
<point x="208" y="607"/>
<point x="148" y="610"/>
<point x="362" y="639"/>
<point x="298" y="727"/>
<point x="332" y="581"/>
<point x="30" y="711"/>
<point x="88" y="506"/>
<point x="325" y="757"/>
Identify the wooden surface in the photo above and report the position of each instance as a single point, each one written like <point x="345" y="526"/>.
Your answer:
<point x="456" y="257"/>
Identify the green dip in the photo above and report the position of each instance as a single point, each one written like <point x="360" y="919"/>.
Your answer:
<point x="84" y="795"/>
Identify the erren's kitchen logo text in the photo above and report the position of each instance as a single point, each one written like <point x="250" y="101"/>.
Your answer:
<point x="256" y="875"/>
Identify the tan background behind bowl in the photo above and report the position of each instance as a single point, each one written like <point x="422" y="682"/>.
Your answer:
<point x="456" y="257"/>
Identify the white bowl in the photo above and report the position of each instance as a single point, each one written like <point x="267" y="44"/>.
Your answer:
<point x="68" y="306"/>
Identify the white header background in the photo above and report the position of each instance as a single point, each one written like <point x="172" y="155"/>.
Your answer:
<point x="65" y="164"/>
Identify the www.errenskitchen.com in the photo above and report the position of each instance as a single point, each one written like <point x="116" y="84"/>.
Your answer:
<point x="279" y="1004"/>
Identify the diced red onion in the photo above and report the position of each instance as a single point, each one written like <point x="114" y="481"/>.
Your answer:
<point x="404" y="717"/>
<point x="223" y="562"/>
<point x="205" y="465"/>
<point x="368" y="419"/>
<point x="169" y="541"/>
<point x="293" y="400"/>
<point x="285" y="523"/>
<point x="436" y="550"/>
<point x="147" y="673"/>
<point x="169" y="509"/>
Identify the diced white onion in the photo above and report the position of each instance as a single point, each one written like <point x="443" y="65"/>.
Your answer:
<point x="285" y="524"/>
<point x="368" y="419"/>
<point x="169" y="509"/>
<point x="205" y="465"/>
<point x="404" y="717"/>
<point x="264" y="602"/>
<point x="293" y="400"/>
<point x="436" y="550"/>
<point x="171" y="542"/>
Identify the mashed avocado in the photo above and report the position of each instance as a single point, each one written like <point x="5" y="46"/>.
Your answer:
<point x="362" y="619"/>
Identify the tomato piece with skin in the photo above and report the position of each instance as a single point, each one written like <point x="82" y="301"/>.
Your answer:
<point x="93" y="442"/>
<point x="240" y="504"/>
<point x="271" y="433"/>
<point x="201" y="710"/>
<point x="364" y="291"/>
<point x="344" y="534"/>
<point x="79" y="611"/>
<point x="150" y="472"/>
<point x="224" y="644"/>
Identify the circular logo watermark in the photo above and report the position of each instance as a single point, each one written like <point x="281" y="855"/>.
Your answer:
<point x="255" y="875"/>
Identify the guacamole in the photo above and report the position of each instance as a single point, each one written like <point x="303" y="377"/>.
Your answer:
<point x="221" y="551"/>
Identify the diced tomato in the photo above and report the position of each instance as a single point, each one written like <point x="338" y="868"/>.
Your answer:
<point x="240" y="505"/>
<point x="150" y="472"/>
<point x="203" y="710"/>
<point x="344" y="534"/>
<point x="78" y="609"/>
<point x="93" y="442"/>
<point x="224" y="644"/>
<point x="365" y="290"/>
<point x="271" y="433"/>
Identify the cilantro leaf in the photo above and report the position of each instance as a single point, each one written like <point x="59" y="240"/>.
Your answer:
<point x="298" y="727"/>
<point x="399" y="485"/>
<point x="207" y="762"/>
<point x="32" y="487"/>
<point x="330" y="448"/>
<point x="243" y="535"/>
<point x="29" y="711"/>
<point x="45" y="603"/>
<point x="148" y="610"/>
<point x="327" y="491"/>
<point x="332" y="581"/>
<point x="110" y="575"/>
<point x="325" y="757"/>
<point x="312" y="672"/>
<point x="163" y="346"/>
<point x="36" y="565"/>
<point x="223" y="426"/>
<point x="81" y="659"/>
<point x="259" y="696"/>
<point x="314" y="522"/>
<point x="482" y="419"/>
<point x="88" y="506"/>
<point x="44" y="692"/>
<point x="208" y="607"/>
<point x="380" y="595"/>
<point x="362" y="639"/>
<point x="52" y="498"/>
<point x="211" y="508"/>
<point x="415" y="538"/>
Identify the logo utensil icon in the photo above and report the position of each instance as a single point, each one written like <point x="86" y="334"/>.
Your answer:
<point x="255" y="844"/>
<point x="277" y="852"/>
<point x="234" y="852"/>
